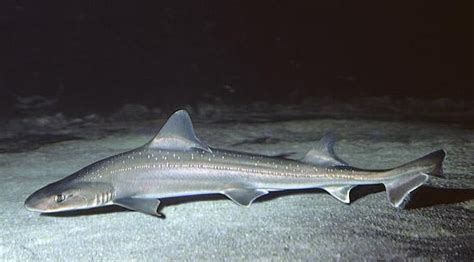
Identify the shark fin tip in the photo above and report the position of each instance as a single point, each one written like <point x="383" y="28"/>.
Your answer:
<point x="178" y="134"/>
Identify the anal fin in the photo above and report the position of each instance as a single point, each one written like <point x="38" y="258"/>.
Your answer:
<point x="340" y="192"/>
<point x="398" y="189"/>
<point x="244" y="196"/>
<point x="144" y="205"/>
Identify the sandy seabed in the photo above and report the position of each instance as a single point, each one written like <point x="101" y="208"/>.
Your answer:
<point x="310" y="225"/>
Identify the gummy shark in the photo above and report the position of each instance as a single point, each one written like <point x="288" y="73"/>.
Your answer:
<point x="176" y="163"/>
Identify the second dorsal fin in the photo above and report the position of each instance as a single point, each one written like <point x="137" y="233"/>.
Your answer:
<point x="178" y="134"/>
<point x="323" y="153"/>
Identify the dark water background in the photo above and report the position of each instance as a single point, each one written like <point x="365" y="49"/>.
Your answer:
<point x="90" y="55"/>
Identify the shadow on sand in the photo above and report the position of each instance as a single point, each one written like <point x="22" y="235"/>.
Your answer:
<point x="422" y="197"/>
<point x="429" y="196"/>
<point x="87" y="212"/>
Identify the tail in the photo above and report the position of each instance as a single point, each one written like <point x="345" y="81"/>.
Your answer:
<point x="412" y="175"/>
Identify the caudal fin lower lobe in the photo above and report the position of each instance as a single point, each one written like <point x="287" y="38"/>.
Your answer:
<point x="412" y="175"/>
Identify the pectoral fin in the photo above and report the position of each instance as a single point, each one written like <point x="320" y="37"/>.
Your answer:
<point x="244" y="196"/>
<point x="144" y="205"/>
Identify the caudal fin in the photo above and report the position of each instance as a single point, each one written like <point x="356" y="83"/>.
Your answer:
<point x="412" y="175"/>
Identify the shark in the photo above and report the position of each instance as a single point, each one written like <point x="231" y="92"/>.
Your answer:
<point x="176" y="163"/>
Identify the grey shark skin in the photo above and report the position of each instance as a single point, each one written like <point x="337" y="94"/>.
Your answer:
<point x="176" y="163"/>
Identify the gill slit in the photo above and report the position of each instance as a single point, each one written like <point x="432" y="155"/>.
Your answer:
<point x="104" y="197"/>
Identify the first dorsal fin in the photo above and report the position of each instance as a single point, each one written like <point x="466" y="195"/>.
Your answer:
<point x="323" y="153"/>
<point x="178" y="134"/>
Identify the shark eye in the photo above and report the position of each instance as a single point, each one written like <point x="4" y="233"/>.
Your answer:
<point x="59" y="198"/>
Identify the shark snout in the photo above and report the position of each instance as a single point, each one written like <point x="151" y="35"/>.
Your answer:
<point x="33" y="203"/>
<point x="39" y="201"/>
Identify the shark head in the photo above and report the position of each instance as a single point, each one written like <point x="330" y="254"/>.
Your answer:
<point x="66" y="195"/>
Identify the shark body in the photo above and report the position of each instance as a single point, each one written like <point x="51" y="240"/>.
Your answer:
<point x="176" y="163"/>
